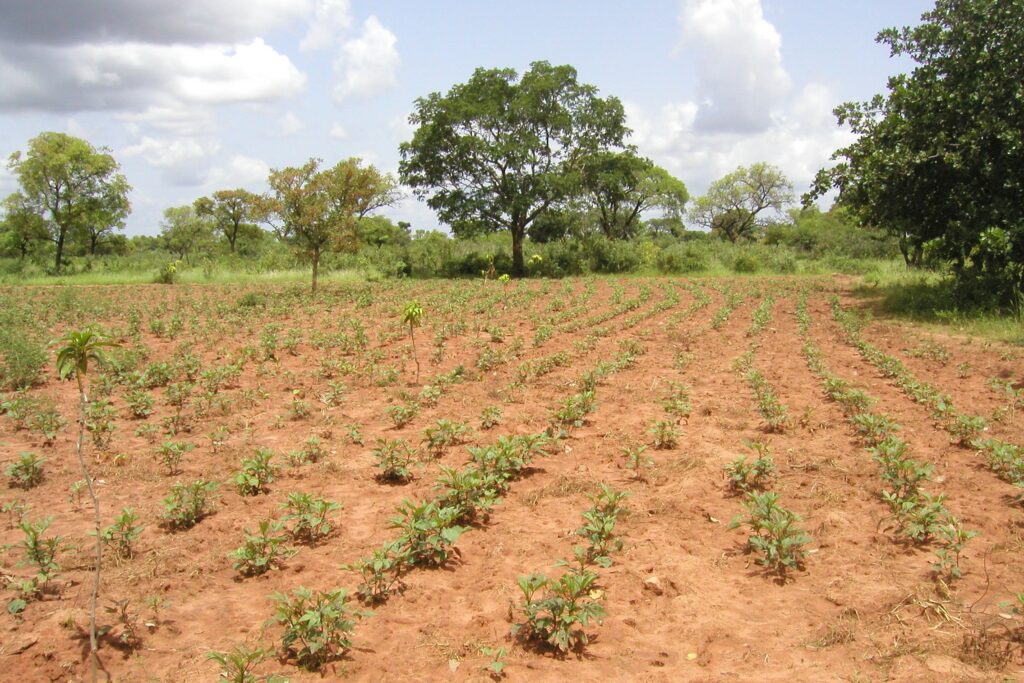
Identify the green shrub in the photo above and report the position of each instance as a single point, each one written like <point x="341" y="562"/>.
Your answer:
<point x="26" y="472"/>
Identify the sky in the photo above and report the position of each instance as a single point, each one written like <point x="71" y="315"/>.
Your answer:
<point x="193" y="96"/>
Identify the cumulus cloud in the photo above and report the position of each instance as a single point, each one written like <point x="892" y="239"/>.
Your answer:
<point x="740" y="75"/>
<point x="367" y="65"/>
<point x="70" y="22"/>
<point x="130" y="56"/>
<point x="330" y="19"/>
<point x="744" y="110"/>
<point x="174" y="119"/>
<point x="338" y="132"/>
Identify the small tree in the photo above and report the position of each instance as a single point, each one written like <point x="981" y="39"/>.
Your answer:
<point x="184" y="231"/>
<point x="21" y="228"/>
<point x="734" y="202"/>
<point x="231" y="211"/>
<point x="73" y="358"/>
<point x="620" y="186"/>
<point x="318" y="210"/>
<point x="413" y="316"/>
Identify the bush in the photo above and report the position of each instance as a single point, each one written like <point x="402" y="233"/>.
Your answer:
<point x="682" y="258"/>
<point x="745" y="263"/>
<point x="21" y="360"/>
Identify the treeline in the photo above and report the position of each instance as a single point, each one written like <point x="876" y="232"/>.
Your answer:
<point x="812" y="241"/>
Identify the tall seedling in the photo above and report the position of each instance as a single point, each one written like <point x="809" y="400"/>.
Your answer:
<point x="79" y="348"/>
<point x="413" y="316"/>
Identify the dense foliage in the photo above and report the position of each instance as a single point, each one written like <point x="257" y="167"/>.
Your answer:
<point x="939" y="159"/>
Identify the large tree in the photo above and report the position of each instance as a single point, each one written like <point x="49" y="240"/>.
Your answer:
<point x="231" y="210"/>
<point x="939" y="159"/>
<point x="620" y="186"/>
<point x="498" y="151"/>
<point x="735" y="204"/>
<point x="318" y="210"/>
<point x="75" y="187"/>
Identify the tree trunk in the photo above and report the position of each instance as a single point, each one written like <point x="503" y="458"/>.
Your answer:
<point x="316" y="267"/>
<point x="60" y="250"/>
<point x="83" y="400"/>
<point x="93" y="239"/>
<point x="518" y="266"/>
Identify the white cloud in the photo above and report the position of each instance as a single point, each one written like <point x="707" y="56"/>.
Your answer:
<point x="744" y="111"/>
<point x="239" y="171"/>
<point x="799" y="139"/>
<point x="135" y="76"/>
<point x="739" y="64"/>
<point x="330" y="19"/>
<point x="164" y="153"/>
<point x="174" y="119"/>
<point x="366" y="65"/>
<point x="291" y="124"/>
<point x="338" y="132"/>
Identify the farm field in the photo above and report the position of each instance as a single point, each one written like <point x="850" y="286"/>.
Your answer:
<point x="892" y="445"/>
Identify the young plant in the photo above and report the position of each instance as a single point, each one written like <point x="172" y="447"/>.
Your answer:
<point x="776" y="533"/>
<point x="40" y="552"/>
<point x="309" y="517"/>
<point x="26" y="472"/>
<point x="636" y="461"/>
<point x="393" y="460"/>
<point x="256" y="474"/>
<point x="664" y="434"/>
<point x="555" y="612"/>
<point x="263" y="550"/>
<point x="753" y="476"/>
<point x="171" y="454"/>
<point x="188" y="504"/>
<point x="402" y="415"/>
<point x="412" y="317"/>
<point x="490" y="417"/>
<point x="429" y="532"/>
<point x="471" y="491"/>
<point x="237" y="665"/>
<point x="140" y="403"/>
<point x="953" y="538"/>
<point x="317" y="625"/>
<point x="967" y="429"/>
<point x="381" y="573"/>
<point x="121" y="535"/>
<point x="443" y="434"/>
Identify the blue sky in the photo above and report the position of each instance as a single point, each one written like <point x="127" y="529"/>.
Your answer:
<point x="192" y="96"/>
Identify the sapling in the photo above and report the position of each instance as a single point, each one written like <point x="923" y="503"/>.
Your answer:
<point x="412" y="316"/>
<point x="73" y="358"/>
